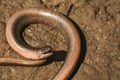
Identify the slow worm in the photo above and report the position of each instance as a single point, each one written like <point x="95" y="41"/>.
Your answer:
<point x="22" y="18"/>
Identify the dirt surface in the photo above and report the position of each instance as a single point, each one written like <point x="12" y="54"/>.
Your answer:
<point x="99" y="21"/>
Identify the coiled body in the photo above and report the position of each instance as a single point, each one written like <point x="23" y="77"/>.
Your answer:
<point x="53" y="19"/>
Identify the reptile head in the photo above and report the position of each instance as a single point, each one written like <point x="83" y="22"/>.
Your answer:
<point x="45" y="52"/>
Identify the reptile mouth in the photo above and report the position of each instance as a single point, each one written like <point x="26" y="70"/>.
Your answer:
<point x="48" y="52"/>
<point x="46" y="55"/>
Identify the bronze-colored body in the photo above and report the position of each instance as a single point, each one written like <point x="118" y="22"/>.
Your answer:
<point x="28" y="16"/>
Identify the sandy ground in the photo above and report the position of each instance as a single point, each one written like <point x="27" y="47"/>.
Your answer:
<point x="99" y="23"/>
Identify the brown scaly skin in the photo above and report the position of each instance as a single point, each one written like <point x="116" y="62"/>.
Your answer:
<point x="53" y="19"/>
